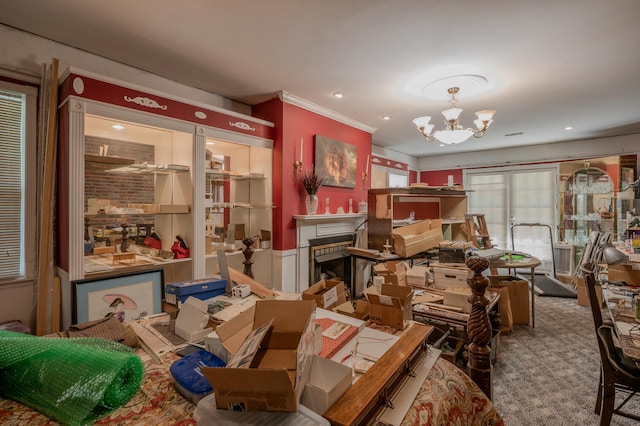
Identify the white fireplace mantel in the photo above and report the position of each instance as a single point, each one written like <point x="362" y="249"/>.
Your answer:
<point x="309" y="227"/>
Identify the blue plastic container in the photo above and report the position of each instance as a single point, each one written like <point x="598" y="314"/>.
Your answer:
<point x="188" y="377"/>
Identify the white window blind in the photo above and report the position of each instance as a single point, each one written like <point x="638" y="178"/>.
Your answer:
<point x="517" y="196"/>
<point x="12" y="187"/>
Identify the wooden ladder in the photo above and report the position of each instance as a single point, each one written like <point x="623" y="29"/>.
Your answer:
<point x="475" y="227"/>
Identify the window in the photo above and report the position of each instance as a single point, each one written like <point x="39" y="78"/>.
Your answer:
<point x="517" y="196"/>
<point x="397" y="180"/>
<point x="17" y="196"/>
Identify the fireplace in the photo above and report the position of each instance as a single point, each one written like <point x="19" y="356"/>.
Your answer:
<point x="320" y="230"/>
<point x="328" y="258"/>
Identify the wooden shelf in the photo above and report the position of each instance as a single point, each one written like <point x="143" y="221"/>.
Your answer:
<point x="98" y="162"/>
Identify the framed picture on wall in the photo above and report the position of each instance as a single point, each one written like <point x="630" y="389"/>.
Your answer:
<point x="127" y="297"/>
<point x="336" y="161"/>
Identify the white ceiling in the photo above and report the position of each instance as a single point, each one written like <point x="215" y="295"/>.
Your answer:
<point x="550" y="64"/>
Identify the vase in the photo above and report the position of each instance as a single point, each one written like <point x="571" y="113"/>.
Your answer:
<point x="311" y="203"/>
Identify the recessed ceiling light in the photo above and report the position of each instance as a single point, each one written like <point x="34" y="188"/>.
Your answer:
<point x="338" y="95"/>
<point x="118" y="126"/>
<point x="441" y="144"/>
<point x="568" y="128"/>
<point x="386" y="117"/>
<point x="210" y="143"/>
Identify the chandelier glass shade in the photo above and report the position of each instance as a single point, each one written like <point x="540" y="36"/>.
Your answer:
<point x="453" y="132"/>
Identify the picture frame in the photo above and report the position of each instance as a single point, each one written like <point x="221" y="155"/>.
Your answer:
<point x="336" y="161"/>
<point x="126" y="296"/>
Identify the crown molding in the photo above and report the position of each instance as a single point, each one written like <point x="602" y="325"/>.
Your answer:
<point x="325" y="112"/>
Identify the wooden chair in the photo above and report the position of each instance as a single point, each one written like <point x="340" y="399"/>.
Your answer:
<point x="617" y="375"/>
<point x="588" y="274"/>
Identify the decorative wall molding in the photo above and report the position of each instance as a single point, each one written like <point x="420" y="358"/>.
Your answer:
<point x="146" y="102"/>
<point x="242" y="125"/>
<point x="325" y="112"/>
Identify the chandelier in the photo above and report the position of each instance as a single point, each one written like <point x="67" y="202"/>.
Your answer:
<point x="454" y="132"/>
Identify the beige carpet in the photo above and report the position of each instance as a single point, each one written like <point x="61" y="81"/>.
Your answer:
<point x="549" y="375"/>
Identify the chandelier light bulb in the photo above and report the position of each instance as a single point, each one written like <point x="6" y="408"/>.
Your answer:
<point x="453" y="132"/>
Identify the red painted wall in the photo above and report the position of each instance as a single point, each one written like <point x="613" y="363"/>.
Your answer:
<point x="439" y="177"/>
<point x="292" y="124"/>
<point x="413" y="176"/>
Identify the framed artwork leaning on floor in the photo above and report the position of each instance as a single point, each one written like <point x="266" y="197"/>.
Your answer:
<point x="127" y="296"/>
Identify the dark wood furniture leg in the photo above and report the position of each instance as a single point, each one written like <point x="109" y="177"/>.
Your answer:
<point x="479" y="331"/>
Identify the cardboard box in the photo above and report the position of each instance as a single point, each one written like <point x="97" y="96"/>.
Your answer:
<point x="583" y="294"/>
<point x="192" y="320"/>
<point x="391" y="307"/>
<point x="518" y="296"/>
<point x="417" y="276"/>
<point x="459" y="297"/>
<point x="393" y="272"/>
<point x="328" y="381"/>
<point x="176" y="293"/>
<point x="326" y="293"/>
<point x="358" y="309"/>
<point x="418" y="237"/>
<point x="269" y="370"/>
<point x="627" y="272"/>
<point x="444" y="278"/>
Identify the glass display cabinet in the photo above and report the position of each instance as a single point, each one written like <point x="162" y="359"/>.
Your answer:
<point x="588" y="205"/>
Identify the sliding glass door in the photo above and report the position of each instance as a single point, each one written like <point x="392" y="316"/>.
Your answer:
<point x="523" y="196"/>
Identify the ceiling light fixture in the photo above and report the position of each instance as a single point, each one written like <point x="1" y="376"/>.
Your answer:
<point x="118" y="126"/>
<point x="338" y="95"/>
<point x="454" y="132"/>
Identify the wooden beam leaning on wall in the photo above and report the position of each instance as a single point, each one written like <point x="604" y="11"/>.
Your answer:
<point x="45" y="231"/>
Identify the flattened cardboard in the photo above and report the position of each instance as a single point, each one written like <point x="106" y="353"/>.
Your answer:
<point x="278" y="372"/>
<point x="418" y="237"/>
<point x="391" y="307"/>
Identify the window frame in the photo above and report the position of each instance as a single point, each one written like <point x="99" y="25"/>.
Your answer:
<point x="29" y="213"/>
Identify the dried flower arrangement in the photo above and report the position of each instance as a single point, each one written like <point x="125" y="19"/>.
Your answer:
<point x="311" y="181"/>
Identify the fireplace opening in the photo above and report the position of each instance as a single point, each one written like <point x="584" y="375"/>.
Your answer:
<point x="329" y="259"/>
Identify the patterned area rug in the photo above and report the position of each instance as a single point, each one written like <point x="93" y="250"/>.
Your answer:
<point x="549" y="375"/>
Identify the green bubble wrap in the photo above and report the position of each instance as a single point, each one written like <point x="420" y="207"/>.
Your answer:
<point x="74" y="381"/>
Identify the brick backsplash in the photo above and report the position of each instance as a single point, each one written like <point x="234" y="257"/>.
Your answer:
<point x="121" y="189"/>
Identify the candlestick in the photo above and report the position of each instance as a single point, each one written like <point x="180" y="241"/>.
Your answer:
<point x="297" y="165"/>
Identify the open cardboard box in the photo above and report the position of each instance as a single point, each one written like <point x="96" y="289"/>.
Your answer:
<point x="358" y="309"/>
<point x="328" y="381"/>
<point x="272" y="353"/>
<point x="326" y="293"/>
<point x="192" y="320"/>
<point x="392" y="306"/>
<point x="418" y="237"/>
<point x="393" y="271"/>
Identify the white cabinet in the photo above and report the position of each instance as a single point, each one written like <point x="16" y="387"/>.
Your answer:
<point x="238" y="204"/>
<point x="137" y="195"/>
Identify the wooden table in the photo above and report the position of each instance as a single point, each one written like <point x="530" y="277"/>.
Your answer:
<point x="619" y="306"/>
<point x="527" y="262"/>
